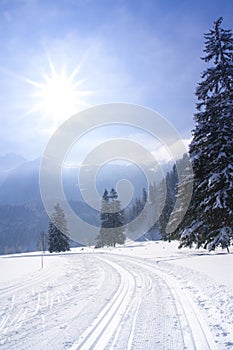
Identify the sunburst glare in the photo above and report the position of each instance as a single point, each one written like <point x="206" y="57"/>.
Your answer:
<point x="59" y="96"/>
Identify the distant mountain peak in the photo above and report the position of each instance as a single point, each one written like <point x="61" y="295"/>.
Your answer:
<point x="10" y="161"/>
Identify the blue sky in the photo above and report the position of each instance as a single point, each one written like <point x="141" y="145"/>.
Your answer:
<point x="145" y="52"/>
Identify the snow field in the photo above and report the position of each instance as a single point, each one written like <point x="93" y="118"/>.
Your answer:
<point x="141" y="296"/>
<point x="50" y="300"/>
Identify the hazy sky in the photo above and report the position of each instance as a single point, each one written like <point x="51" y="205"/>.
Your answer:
<point x="145" y="52"/>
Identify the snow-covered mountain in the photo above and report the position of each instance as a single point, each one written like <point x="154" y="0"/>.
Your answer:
<point x="9" y="162"/>
<point x="21" y="184"/>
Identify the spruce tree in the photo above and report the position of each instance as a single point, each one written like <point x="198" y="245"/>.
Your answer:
<point x="116" y="222"/>
<point x="210" y="216"/>
<point x="112" y="221"/>
<point x="168" y="206"/>
<point x="180" y="217"/>
<point x="58" y="232"/>
<point x="153" y="193"/>
<point x="154" y="206"/>
<point x="144" y="196"/>
<point x="101" y="239"/>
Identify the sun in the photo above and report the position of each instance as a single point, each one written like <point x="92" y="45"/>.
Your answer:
<point x="59" y="95"/>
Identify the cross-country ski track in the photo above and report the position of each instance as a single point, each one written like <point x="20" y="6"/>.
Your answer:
<point x="158" y="313"/>
<point x="102" y="300"/>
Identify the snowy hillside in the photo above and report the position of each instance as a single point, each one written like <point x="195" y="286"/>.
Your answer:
<point x="141" y="296"/>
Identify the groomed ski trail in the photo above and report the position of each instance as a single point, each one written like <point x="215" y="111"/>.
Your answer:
<point x="144" y="290"/>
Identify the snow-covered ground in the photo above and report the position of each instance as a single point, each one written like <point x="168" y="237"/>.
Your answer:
<point x="142" y="296"/>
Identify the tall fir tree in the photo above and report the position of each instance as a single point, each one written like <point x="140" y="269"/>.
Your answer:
<point x="209" y="221"/>
<point x="58" y="232"/>
<point x="154" y="207"/>
<point x="167" y="206"/>
<point x="144" y="196"/>
<point x="135" y="210"/>
<point x="112" y="221"/>
<point x="180" y="217"/>
<point x="102" y="238"/>
<point x="153" y="193"/>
